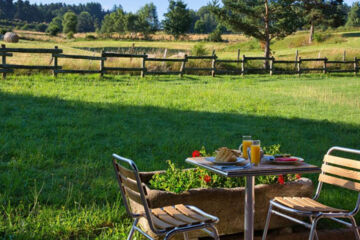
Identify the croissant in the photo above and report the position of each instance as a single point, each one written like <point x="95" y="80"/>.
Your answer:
<point x="226" y="155"/>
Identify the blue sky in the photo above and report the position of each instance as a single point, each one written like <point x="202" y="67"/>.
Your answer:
<point x="133" y="5"/>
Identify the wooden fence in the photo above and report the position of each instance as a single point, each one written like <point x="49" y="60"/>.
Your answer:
<point x="242" y="68"/>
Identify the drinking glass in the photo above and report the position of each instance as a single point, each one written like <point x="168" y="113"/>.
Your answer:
<point x="246" y="143"/>
<point x="255" y="152"/>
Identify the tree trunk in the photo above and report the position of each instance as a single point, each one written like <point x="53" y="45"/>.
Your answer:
<point x="312" y="30"/>
<point x="267" y="35"/>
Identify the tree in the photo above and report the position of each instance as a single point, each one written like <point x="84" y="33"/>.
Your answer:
<point x="114" y="22"/>
<point x="322" y="12"/>
<point x="354" y="16"/>
<point x="261" y="19"/>
<point x="177" y="19"/>
<point x="200" y="26"/>
<point x="55" y="26"/>
<point x="69" y="22"/>
<point x="147" y="21"/>
<point x="85" y="23"/>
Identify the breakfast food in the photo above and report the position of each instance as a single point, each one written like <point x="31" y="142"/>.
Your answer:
<point x="225" y="154"/>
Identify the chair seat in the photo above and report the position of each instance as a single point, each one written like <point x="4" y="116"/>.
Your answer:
<point x="170" y="217"/>
<point x="306" y="204"/>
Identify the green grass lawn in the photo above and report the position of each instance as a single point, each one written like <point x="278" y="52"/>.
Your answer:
<point x="57" y="137"/>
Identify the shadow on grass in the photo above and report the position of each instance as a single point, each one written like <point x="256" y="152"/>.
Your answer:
<point x="64" y="145"/>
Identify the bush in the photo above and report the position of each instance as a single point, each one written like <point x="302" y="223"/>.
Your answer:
<point x="70" y="35"/>
<point x="41" y="27"/>
<point x="4" y="30"/>
<point x="199" y="50"/>
<point x="215" y="36"/>
<point x="90" y="37"/>
<point x="321" y="37"/>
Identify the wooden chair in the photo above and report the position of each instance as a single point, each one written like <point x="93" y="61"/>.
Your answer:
<point x="165" y="221"/>
<point x="333" y="171"/>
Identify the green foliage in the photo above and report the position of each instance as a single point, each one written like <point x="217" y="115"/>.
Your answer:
<point x="199" y="50"/>
<point x="69" y="22"/>
<point x="85" y="23"/>
<point x="321" y="37"/>
<point x="90" y="37"/>
<point x="148" y="21"/>
<point x="215" y="36"/>
<point x="177" y="19"/>
<point x="70" y="35"/>
<point x="200" y="26"/>
<point x="55" y="26"/>
<point x="354" y="16"/>
<point x="204" y="20"/>
<point x="114" y="22"/>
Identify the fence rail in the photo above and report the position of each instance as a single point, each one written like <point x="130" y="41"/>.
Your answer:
<point x="270" y="64"/>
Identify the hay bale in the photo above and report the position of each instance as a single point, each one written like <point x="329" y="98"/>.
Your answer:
<point x="11" y="37"/>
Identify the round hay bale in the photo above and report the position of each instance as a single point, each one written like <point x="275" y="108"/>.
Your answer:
<point x="11" y="37"/>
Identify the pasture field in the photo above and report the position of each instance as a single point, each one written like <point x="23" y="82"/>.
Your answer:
<point x="57" y="137"/>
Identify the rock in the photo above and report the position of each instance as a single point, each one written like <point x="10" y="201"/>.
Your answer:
<point x="11" y="37"/>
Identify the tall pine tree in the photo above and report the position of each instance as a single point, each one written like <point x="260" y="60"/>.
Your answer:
<point x="261" y="19"/>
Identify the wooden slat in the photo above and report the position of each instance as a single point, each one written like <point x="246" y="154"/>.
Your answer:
<point x="133" y="195"/>
<point x="163" y="73"/>
<point x="306" y="204"/>
<point x="160" y="224"/>
<point x="4" y="70"/>
<point x="128" y="182"/>
<point x="313" y="59"/>
<point x="228" y="61"/>
<point x="79" y="57"/>
<point x="162" y="215"/>
<point x="199" y="69"/>
<point x="285" y="61"/>
<point x="107" y="54"/>
<point x="125" y="172"/>
<point x="14" y="66"/>
<point x="201" y="57"/>
<point x="186" y="211"/>
<point x="123" y="69"/>
<point x="31" y="50"/>
<point x="339" y="182"/>
<point x="341" y="172"/>
<point x="340" y="71"/>
<point x="78" y="71"/>
<point x="6" y="54"/>
<point x="180" y="216"/>
<point x="345" y="162"/>
<point x="164" y="60"/>
<point x="259" y="58"/>
<point x="346" y="62"/>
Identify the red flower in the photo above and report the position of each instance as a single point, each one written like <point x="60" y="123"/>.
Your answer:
<point x="196" y="153"/>
<point x="281" y="179"/>
<point x="298" y="176"/>
<point x="207" y="178"/>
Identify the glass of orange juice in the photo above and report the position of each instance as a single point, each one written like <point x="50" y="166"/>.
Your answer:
<point x="255" y="152"/>
<point x="246" y="143"/>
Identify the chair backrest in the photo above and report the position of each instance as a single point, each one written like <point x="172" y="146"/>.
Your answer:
<point x="340" y="171"/>
<point x="132" y="188"/>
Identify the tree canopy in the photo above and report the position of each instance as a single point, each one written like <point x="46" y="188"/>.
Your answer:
<point x="177" y="19"/>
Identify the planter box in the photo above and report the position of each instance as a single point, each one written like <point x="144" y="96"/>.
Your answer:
<point x="227" y="203"/>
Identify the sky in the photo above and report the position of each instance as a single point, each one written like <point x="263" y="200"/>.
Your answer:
<point x="134" y="5"/>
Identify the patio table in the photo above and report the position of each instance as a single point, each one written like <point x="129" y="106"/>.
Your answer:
<point x="265" y="168"/>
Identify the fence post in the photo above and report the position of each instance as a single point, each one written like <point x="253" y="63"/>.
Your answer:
<point x="102" y="64"/>
<point x="3" y="46"/>
<point x="182" y="68"/>
<point x="324" y="66"/>
<point x="55" y="63"/>
<point x="298" y="66"/>
<point x="238" y="57"/>
<point x="143" y="65"/>
<point x="213" y="64"/>
<point x="243" y="66"/>
<point x="344" y="56"/>
<point x="296" y="57"/>
<point x="355" y="66"/>
<point x="271" y="66"/>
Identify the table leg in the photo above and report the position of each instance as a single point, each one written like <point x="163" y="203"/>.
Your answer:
<point x="249" y="208"/>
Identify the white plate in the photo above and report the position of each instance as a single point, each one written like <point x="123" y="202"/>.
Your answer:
<point x="289" y="162"/>
<point x="238" y="160"/>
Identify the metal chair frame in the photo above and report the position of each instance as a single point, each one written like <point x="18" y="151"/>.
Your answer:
<point x="316" y="216"/>
<point x="209" y="228"/>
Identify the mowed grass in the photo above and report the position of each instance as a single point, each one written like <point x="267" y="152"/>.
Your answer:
<point x="57" y="137"/>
